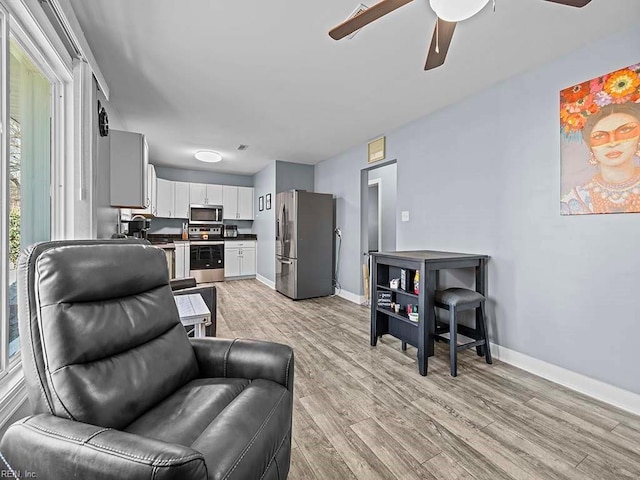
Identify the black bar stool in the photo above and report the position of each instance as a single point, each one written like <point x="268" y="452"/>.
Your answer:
<point x="457" y="300"/>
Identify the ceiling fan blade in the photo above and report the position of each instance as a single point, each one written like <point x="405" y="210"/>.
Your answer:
<point x="366" y="17"/>
<point x="442" y="35"/>
<point x="571" y="3"/>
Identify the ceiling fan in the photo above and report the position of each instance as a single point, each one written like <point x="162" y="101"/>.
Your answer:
<point x="449" y="13"/>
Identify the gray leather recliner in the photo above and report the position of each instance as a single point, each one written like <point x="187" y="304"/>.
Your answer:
<point x="118" y="389"/>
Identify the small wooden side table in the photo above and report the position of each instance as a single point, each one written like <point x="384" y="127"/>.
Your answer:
<point x="193" y="312"/>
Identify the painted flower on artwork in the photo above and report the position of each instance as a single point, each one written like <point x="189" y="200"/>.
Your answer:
<point x="580" y="101"/>
<point x="622" y="83"/>
<point x="575" y="93"/>
<point x="602" y="98"/>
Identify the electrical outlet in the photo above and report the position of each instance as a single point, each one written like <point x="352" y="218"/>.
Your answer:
<point x="405" y="215"/>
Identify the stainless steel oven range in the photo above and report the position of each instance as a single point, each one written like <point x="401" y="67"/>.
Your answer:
<point x="206" y="254"/>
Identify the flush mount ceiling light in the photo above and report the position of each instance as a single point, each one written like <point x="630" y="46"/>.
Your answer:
<point x="208" y="156"/>
<point x="457" y="10"/>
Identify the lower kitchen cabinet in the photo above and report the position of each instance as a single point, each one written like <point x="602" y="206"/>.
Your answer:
<point x="182" y="259"/>
<point x="239" y="258"/>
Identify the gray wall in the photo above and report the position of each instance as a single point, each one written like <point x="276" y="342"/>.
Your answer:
<point x="294" y="175"/>
<point x="491" y="185"/>
<point x="264" y="226"/>
<point x="106" y="216"/>
<point x="202" y="176"/>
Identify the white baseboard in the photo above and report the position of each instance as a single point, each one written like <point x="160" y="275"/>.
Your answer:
<point x="352" y="297"/>
<point x="610" y="394"/>
<point x="266" y="281"/>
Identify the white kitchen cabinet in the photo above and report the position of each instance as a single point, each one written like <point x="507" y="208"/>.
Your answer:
<point x="182" y="259"/>
<point x="245" y="203"/>
<point x="231" y="262"/>
<point x="248" y="261"/>
<point x="197" y="193"/>
<point x="181" y="200"/>
<point x="152" y="195"/>
<point x="239" y="258"/>
<point x="129" y="159"/>
<point x="172" y="199"/>
<point x="165" y="195"/>
<point x="237" y="203"/>
<point x="205" y="194"/>
<point x="229" y="202"/>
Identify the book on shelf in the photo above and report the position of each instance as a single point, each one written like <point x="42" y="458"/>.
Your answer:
<point x="406" y="280"/>
<point x="385" y="299"/>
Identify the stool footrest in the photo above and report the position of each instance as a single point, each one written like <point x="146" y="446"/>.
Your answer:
<point x="467" y="342"/>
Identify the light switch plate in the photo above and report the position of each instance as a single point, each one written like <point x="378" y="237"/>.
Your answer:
<point x="405" y="216"/>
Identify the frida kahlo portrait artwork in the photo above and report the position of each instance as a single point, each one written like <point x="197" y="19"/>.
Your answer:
<point x="600" y="144"/>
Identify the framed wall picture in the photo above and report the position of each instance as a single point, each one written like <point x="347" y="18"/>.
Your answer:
<point x="261" y="203"/>
<point x="375" y="150"/>
<point x="600" y="144"/>
<point x="268" y="202"/>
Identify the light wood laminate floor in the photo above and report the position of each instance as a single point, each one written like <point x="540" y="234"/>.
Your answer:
<point x="364" y="412"/>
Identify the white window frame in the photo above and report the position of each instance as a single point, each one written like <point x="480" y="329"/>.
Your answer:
<point x="26" y="22"/>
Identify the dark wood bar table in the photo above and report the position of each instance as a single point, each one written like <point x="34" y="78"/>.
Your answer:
<point x="387" y="266"/>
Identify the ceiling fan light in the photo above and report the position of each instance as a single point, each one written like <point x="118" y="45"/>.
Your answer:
<point x="208" y="156"/>
<point x="457" y="10"/>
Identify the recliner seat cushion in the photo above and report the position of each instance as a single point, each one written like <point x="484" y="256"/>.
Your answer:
<point x="240" y="426"/>
<point x="250" y="435"/>
<point x="184" y="415"/>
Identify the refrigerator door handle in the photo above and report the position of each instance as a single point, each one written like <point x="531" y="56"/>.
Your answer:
<point x="287" y="262"/>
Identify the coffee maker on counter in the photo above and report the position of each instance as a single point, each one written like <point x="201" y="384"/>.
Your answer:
<point x="138" y="227"/>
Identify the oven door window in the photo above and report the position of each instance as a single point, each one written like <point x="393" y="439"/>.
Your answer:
<point x="204" y="257"/>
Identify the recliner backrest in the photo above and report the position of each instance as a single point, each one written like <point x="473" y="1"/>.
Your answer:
<point x="100" y="333"/>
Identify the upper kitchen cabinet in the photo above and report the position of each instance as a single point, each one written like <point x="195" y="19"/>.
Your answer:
<point x="129" y="164"/>
<point x="152" y="195"/>
<point x="165" y="193"/>
<point x="237" y="203"/>
<point x="203" y="194"/>
<point x="181" y="200"/>
<point x="173" y="199"/>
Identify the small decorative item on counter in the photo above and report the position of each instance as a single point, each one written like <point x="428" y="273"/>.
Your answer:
<point x="185" y="232"/>
<point x="394" y="283"/>
<point x="416" y="283"/>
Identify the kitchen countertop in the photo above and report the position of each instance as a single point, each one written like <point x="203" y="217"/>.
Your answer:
<point x="167" y="241"/>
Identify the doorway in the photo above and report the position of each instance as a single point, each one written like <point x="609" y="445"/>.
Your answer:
<point x="374" y="216"/>
<point x="378" y="214"/>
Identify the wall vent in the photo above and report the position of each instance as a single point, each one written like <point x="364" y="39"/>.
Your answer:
<point x="242" y="147"/>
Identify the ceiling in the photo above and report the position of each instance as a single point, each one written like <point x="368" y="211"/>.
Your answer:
<point x="203" y="74"/>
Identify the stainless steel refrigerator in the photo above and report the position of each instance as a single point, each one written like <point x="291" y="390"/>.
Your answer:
<point x="304" y="244"/>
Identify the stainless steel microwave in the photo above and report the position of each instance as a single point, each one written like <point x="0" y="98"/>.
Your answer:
<point x="205" y="214"/>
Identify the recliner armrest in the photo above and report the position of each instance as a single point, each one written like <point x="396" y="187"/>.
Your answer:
<point x="221" y="357"/>
<point x="54" y="447"/>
